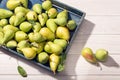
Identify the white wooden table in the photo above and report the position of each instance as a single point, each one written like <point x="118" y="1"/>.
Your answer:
<point x="100" y="29"/>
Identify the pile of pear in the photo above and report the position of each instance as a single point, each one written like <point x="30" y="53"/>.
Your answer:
<point x="40" y="33"/>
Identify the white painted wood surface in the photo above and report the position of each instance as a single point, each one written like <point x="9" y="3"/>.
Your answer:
<point x="100" y="29"/>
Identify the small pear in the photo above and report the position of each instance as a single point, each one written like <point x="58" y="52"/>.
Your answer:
<point x="47" y="33"/>
<point x="31" y="16"/>
<point x="24" y="3"/>
<point x="29" y="53"/>
<point x="21" y="9"/>
<point x="1" y="37"/>
<point x="61" y="21"/>
<point x="25" y="26"/>
<point x="54" y="61"/>
<point x="12" y="4"/>
<point x="36" y="27"/>
<point x="51" y="25"/>
<point x="11" y="44"/>
<point x="43" y="57"/>
<point x="8" y="35"/>
<point x="42" y="18"/>
<point x="19" y="18"/>
<point x="37" y="8"/>
<point x="3" y="22"/>
<point x="63" y="13"/>
<point x="5" y="28"/>
<point x="63" y="33"/>
<point x="12" y="19"/>
<point x="46" y="5"/>
<point x="20" y="35"/>
<point x="5" y="13"/>
<point x="52" y="12"/>
<point x="63" y="43"/>
<point x="56" y="49"/>
<point x="87" y="53"/>
<point x="71" y="25"/>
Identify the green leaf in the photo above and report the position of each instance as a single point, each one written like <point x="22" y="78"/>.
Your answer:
<point x="21" y="71"/>
<point x="60" y="68"/>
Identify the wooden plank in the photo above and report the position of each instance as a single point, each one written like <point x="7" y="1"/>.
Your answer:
<point x="95" y="7"/>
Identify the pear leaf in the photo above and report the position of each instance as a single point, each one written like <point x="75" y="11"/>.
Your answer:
<point x="21" y="71"/>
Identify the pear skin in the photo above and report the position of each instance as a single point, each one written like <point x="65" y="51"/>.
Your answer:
<point x="61" y="21"/>
<point x="46" y="5"/>
<point x="21" y="9"/>
<point x="87" y="53"/>
<point x="51" y="25"/>
<point x="52" y="12"/>
<point x="5" y="13"/>
<point x="31" y="16"/>
<point x="47" y="48"/>
<point x="11" y="44"/>
<point x="5" y="28"/>
<point x="1" y="37"/>
<point x="12" y="4"/>
<point x="63" y="13"/>
<point x="24" y="3"/>
<point x="36" y="27"/>
<point x="3" y="22"/>
<point x="37" y="8"/>
<point x="12" y="19"/>
<point x="47" y="33"/>
<point x="63" y="33"/>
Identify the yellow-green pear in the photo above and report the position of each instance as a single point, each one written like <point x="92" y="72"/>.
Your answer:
<point x="63" y="13"/>
<point x="71" y="25"/>
<point x="24" y="3"/>
<point x="36" y="27"/>
<point x="63" y="33"/>
<point x="5" y="13"/>
<point x="87" y="53"/>
<point x="15" y="29"/>
<point x="29" y="53"/>
<point x="1" y="29"/>
<point x="20" y="35"/>
<point x="31" y="16"/>
<point x="54" y="61"/>
<point x="1" y="37"/>
<point x="52" y="12"/>
<point x="12" y="4"/>
<point x="47" y="33"/>
<point x="62" y="21"/>
<point x="47" y="48"/>
<point x="21" y="9"/>
<point x="43" y="57"/>
<point x="42" y="18"/>
<point x="46" y="5"/>
<point x="51" y="25"/>
<point x="12" y="19"/>
<point x="37" y="8"/>
<point x="19" y="18"/>
<point x="25" y="26"/>
<point x="3" y="22"/>
<point x="11" y="44"/>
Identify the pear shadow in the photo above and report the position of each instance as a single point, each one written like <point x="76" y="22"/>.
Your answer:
<point x="110" y="62"/>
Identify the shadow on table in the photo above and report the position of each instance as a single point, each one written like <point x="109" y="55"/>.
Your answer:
<point x="65" y="75"/>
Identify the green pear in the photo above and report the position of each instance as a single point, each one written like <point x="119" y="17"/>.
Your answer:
<point x="47" y="48"/>
<point x="29" y="53"/>
<point x="1" y="37"/>
<point x="54" y="61"/>
<point x="37" y="8"/>
<point x="43" y="57"/>
<point x="51" y="25"/>
<point x="5" y="28"/>
<point x="36" y="37"/>
<point x="46" y="5"/>
<point x="63" y="33"/>
<point x="71" y="25"/>
<point x="39" y="47"/>
<point x="12" y="4"/>
<point x="87" y="53"/>
<point x="31" y="16"/>
<point x="36" y="27"/>
<point x="42" y="18"/>
<point x="24" y="3"/>
<point x="63" y="43"/>
<point x="3" y="22"/>
<point x="101" y="54"/>
<point x="12" y="19"/>
<point x="47" y="33"/>
<point x="61" y="21"/>
<point x="20" y="35"/>
<point x="1" y="29"/>
<point x="19" y="18"/>
<point x="21" y="9"/>
<point x="5" y="13"/>
<point x="11" y="44"/>
<point x="8" y="35"/>
<point x="63" y="13"/>
<point x="25" y="26"/>
<point x="56" y="49"/>
<point x="52" y="12"/>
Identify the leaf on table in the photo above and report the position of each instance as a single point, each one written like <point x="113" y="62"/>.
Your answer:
<point x="21" y="71"/>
